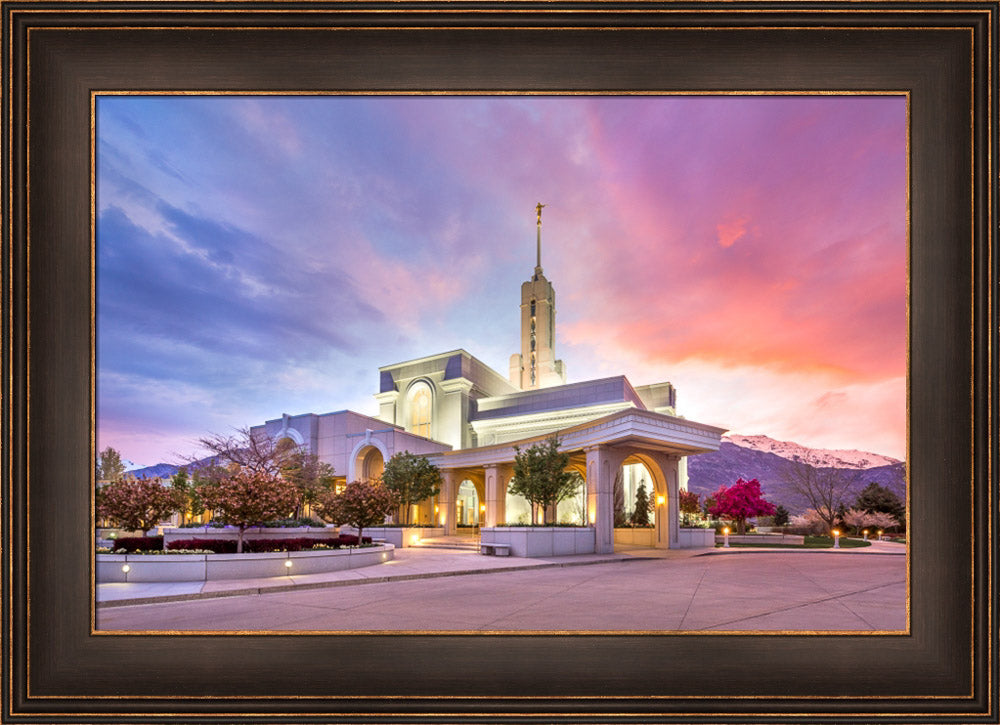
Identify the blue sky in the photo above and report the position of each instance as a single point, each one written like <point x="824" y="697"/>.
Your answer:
<point x="264" y="255"/>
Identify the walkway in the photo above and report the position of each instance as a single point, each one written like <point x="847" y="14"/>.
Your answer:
<point x="431" y="590"/>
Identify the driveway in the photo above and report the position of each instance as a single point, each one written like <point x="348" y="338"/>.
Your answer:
<point x="861" y="590"/>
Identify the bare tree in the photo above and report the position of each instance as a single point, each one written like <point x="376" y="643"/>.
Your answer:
<point x="825" y="490"/>
<point x="254" y="451"/>
<point x="257" y="452"/>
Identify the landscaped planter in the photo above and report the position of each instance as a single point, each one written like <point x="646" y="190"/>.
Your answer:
<point x="696" y="538"/>
<point x="231" y="533"/>
<point x="208" y="567"/>
<point x="399" y="536"/>
<point x="537" y="541"/>
<point x="629" y="536"/>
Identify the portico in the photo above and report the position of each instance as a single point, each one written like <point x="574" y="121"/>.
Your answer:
<point x="599" y="448"/>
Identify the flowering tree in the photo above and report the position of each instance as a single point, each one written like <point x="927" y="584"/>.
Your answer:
<point x="360" y="504"/>
<point x="244" y="497"/>
<point x="135" y="504"/>
<point x="690" y="505"/>
<point x="883" y="520"/>
<point x="739" y="502"/>
<point x="858" y="519"/>
<point x="412" y="478"/>
<point x="817" y="522"/>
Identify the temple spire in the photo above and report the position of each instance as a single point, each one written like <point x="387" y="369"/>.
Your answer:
<point x="538" y="258"/>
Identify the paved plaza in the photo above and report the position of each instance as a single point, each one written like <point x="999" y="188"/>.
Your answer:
<point x="737" y="590"/>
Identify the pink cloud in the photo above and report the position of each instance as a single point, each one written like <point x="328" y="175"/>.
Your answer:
<point x="730" y="232"/>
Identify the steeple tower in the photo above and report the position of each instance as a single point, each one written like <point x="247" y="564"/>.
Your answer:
<point x="536" y="365"/>
<point x="538" y="249"/>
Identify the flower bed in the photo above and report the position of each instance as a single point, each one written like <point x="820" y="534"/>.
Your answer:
<point x="536" y="541"/>
<point x="170" y="567"/>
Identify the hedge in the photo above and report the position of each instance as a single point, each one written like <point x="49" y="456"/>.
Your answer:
<point x="228" y="546"/>
<point x="138" y="543"/>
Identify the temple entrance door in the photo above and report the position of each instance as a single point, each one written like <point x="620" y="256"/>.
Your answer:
<point x="468" y="514"/>
<point x="635" y="497"/>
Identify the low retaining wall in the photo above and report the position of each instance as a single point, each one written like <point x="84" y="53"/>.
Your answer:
<point x="231" y="533"/>
<point x="399" y="536"/>
<point x="686" y="538"/>
<point x="696" y="538"/>
<point x="208" y="567"/>
<point x="536" y="541"/>
<point x="762" y="539"/>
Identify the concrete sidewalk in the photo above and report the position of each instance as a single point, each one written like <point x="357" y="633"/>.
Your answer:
<point x="418" y="563"/>
<point x="409" y="563"/>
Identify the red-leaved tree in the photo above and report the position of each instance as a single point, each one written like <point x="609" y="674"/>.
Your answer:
<point x="690" y="504"/>
<point x="360" y="504"/>
<point x="135" y="503"/>
<point x="739" y="502"/>
<point x="245" y="498"/>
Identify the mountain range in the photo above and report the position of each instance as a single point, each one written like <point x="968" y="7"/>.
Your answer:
<point x="758" y="456"/>
<point x="771" y="461"/>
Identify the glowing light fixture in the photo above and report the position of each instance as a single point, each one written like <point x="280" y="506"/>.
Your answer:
<point x="288" y="563"/>
<point x="725" y="537"/>
<point x="414" y="538"/>
<point x="482" y="507"/>
<point x="836" y="538"/>
<point x="126" y="568"/>
<point x="660" y="500"/>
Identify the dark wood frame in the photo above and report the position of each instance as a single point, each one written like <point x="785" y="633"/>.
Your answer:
<point x="56" y="54"/>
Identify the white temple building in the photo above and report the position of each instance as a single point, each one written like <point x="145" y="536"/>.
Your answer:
<point x="467" y="418"/>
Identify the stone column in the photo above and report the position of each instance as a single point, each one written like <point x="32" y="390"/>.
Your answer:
<point x="447" y="501"/>
<point x="667" y="516"/>
<point x="496" y="493"/>
<point x="602" y="467"/>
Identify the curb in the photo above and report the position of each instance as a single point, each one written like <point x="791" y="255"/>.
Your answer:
<point x="251" y="591"/>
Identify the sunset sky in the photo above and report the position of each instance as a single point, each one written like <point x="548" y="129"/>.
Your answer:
<point x="265" y="255"/>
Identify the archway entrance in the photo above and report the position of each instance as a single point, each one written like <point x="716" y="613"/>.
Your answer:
<point x="469" y="511"/>
<point x="638" y="504"/>
<point x="369" y="463"/>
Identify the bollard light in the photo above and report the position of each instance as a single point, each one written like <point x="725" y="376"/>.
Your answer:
<point x="880" y="534"/>
<point x="725" y="537"/>
<point x="866" y="534"/>
<point x="836" y="539"/>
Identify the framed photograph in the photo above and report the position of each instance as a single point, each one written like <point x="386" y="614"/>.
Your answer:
<point x="938" y="60"/>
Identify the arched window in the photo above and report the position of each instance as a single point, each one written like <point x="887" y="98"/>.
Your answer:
<point x="420" y="406"/>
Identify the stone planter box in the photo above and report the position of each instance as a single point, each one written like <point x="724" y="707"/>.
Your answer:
<point x="231" y="533"/>
<point x="539" y="541"/>
<point x="401" y="537"/>
<point x="210" y="567"/>
<point x="696" y="538"/>
<point x="628" y="536"/>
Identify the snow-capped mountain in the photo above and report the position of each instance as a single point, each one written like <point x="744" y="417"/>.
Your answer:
<point x="816" y="457"/>
<point x="771" y="462"/>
